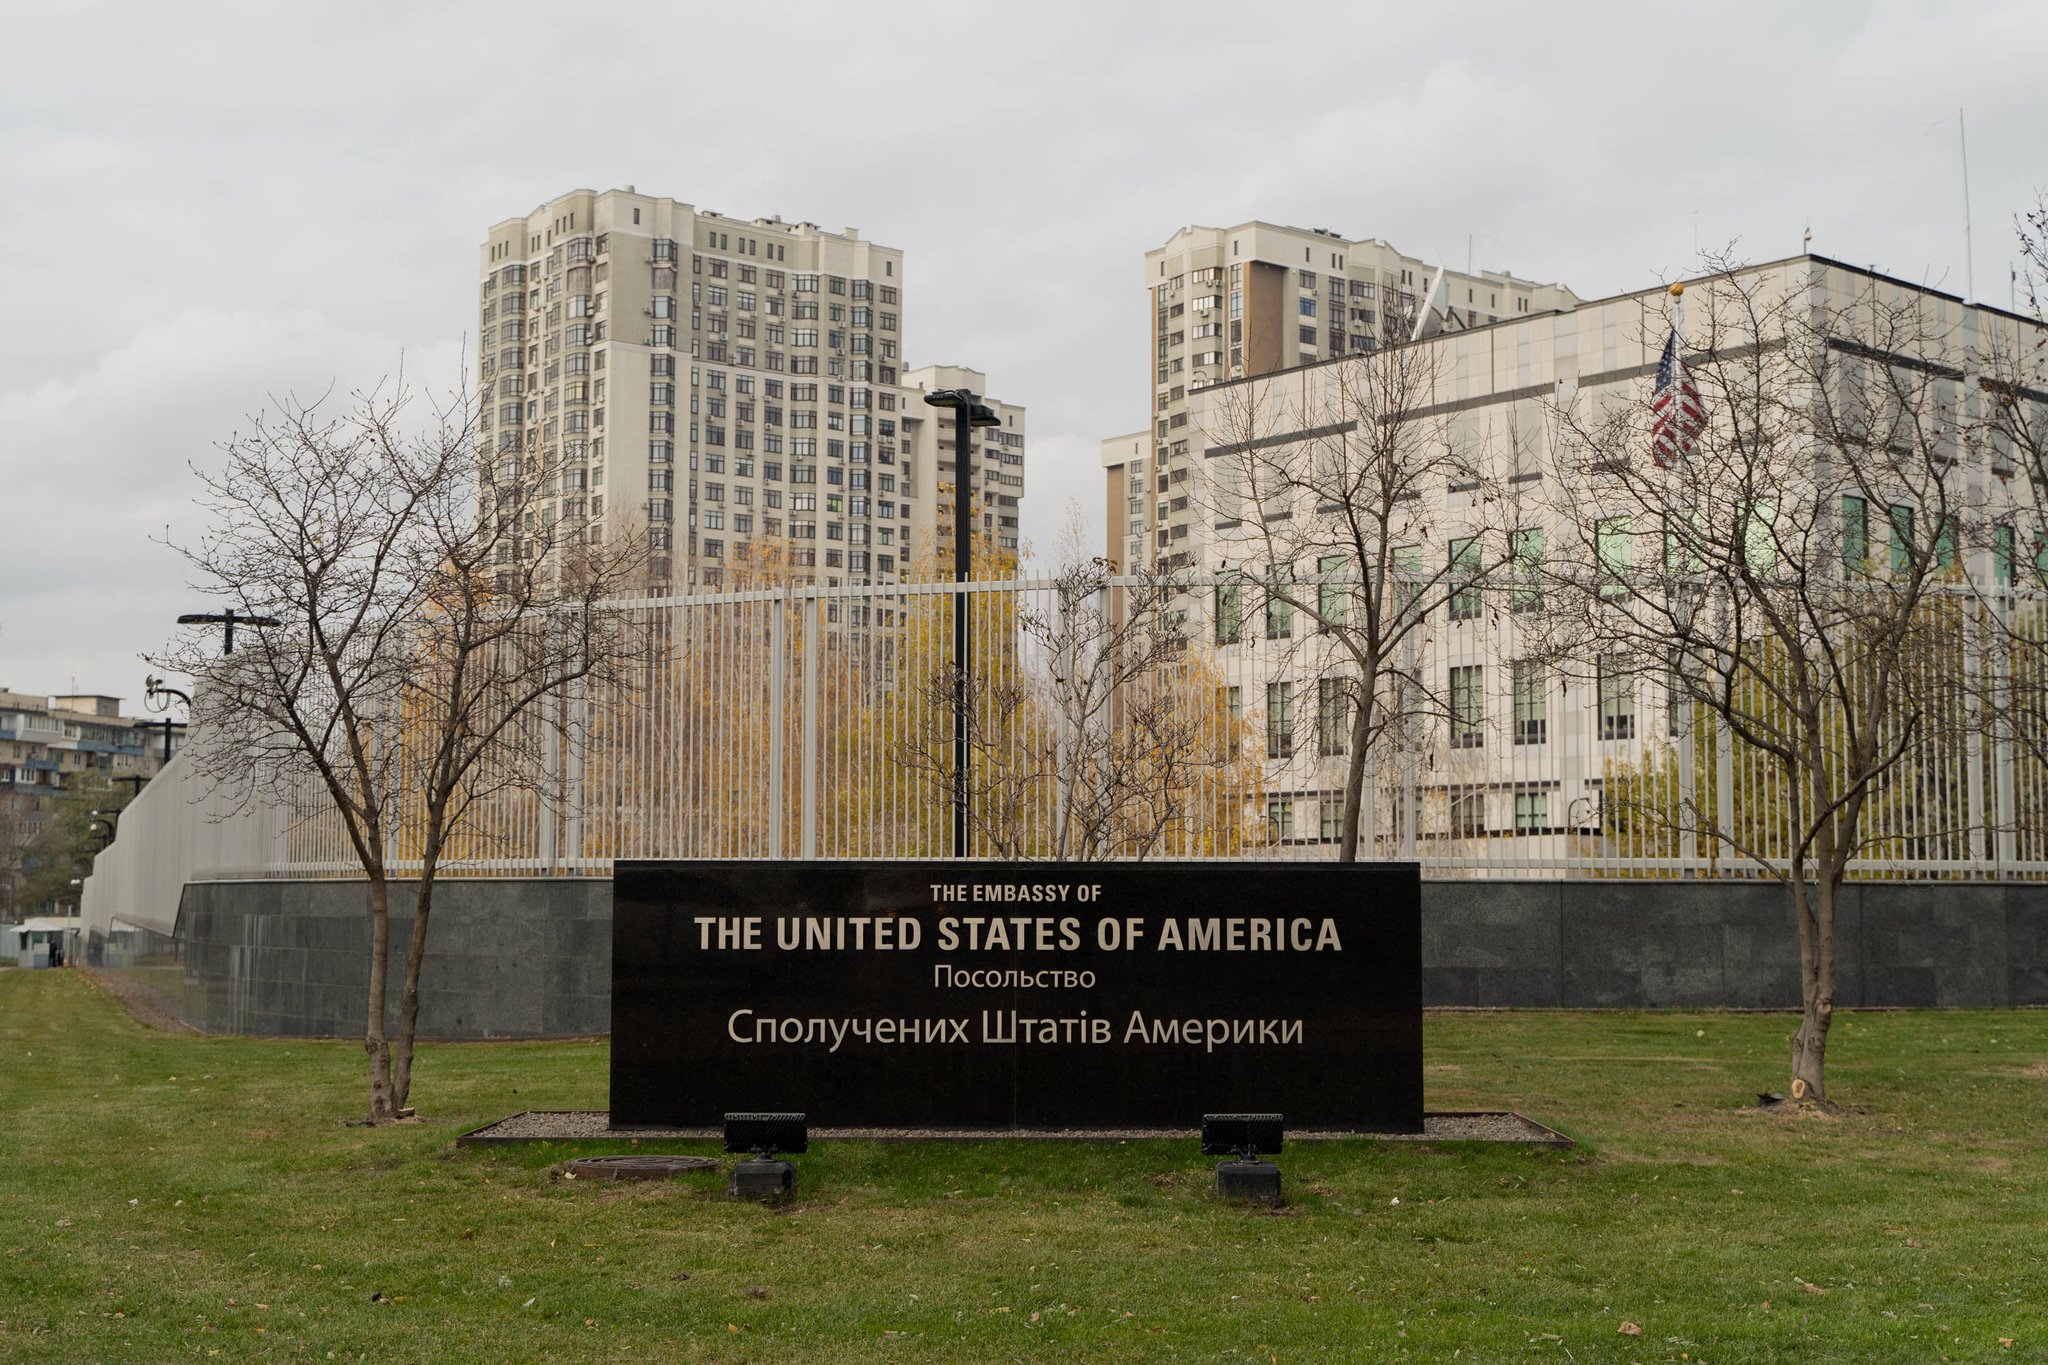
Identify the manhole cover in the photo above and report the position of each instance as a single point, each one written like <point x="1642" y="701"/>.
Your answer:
<point x="636" y="1167"/>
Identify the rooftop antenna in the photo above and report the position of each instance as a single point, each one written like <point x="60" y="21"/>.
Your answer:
<point x="1806" y="242"/>
<point x="1969" y="246"/>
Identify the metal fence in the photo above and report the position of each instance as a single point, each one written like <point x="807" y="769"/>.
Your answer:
<point x="1113" y="719"/>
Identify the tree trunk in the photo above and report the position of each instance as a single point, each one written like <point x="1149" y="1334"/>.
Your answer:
<point x="1354" y="780"/>
<point x="384" y="1103"/>
<point x="1815" y="907"/>
<point x="409" y="992"/>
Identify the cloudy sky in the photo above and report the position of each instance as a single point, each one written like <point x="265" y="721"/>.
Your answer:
<point x="206" y="204"/>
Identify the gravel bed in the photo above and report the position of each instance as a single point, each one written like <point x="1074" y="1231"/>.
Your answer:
<point x="130" y="996"/>
<point x="581" y="1125"/>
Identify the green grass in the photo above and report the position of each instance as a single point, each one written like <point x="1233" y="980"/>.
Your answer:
<point x="174" y="1197"/>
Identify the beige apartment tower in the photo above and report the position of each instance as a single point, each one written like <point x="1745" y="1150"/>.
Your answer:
<point x="1231" y="303"/>
<point x="996" y="481"/>
<point x="718" y="383"/>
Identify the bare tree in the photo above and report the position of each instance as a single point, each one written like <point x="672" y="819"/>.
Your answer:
<point x="1780" y="570"/>
<point x="1356" y="497"/>
<point x="1097" y="728"/>
<point x="1146" y="753"/>
<point x="433" y="621"/>
<point x="2011" y="409"/>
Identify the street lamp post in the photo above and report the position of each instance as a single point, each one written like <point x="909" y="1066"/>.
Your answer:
<point x="225" y="619"/>
<point x="153" y="687"/>
<point x="969" y="412"/>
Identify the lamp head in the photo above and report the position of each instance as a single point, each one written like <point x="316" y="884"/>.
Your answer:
<point x="766" y="1134"/>
<point x="1241" y="1134"/>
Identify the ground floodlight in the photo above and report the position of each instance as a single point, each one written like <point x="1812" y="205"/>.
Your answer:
<point x="761" y="1176"/>
<point x="766" y="1134"/>
<point x="1245" y="1137"/>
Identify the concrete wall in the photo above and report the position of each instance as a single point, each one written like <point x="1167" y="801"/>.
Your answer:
<point x="532" y="958"/>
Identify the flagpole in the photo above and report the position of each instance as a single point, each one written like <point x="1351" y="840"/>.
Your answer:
<point x="1969" y="237"/>
<point x="1688" y="777"/>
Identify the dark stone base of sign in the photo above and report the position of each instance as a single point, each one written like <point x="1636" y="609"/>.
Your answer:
<point x="762" y="1180"/>
<point x="1253" y="1182"/>
<point x="595" y="1125"/>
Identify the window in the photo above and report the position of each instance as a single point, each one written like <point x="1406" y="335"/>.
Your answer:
<point x="2003" y="553"/>
<point x="1408" y="573"/>
<point x="1617" y="698"/>
<point x="1611" y="548"/>
<point x="1525" y="548"/>
<point x="1532" y="812"/>
<point x="1229" y="613"/>
<point x="1945" y="544"/>
<point x="1308" y="307"/>
<point x="1279" y="820"/>
<point x="1279" y="612"/>
<point x="1682" y="543"/>
<point x="1279" y="719"/>
<point x="1760" y="537"/>
<point x="1855" y="536"/>
<point x="1531" y="713"/>
<point x="1468" y="813"/>
<point x="1902" y="540"/>
<point x="1468" y="706"/>
<point x="1333" y="717"/>
<point x="1331" y="598"/>
<point x="1465" y="600"/>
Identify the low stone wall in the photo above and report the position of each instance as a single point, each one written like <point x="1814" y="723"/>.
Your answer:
<point x="507" y="958"/>
<point x="532" y="958"/>
<point x="1656" y="945"/>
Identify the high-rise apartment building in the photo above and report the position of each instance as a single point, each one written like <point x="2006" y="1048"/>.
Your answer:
<point x="1230" y="303"/>
<point x="715" y="381"/>
<point x="997" y="480"/>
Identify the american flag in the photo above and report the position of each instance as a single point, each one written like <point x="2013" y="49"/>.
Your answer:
<point x="1676" y="402"/>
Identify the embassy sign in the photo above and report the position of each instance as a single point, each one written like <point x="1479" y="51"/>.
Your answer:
<point x="1017" y="995"/>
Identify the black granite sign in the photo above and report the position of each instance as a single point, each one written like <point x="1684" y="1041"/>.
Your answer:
<point x="1017" y="995"/>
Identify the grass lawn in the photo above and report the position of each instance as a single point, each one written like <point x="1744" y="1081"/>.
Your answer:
<point x="173" y="1197"/>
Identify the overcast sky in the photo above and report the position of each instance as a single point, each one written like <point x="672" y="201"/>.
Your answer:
<point x="204" y="204"/>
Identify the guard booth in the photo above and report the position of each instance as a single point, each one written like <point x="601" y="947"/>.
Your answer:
<point x="43" y="942"/>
